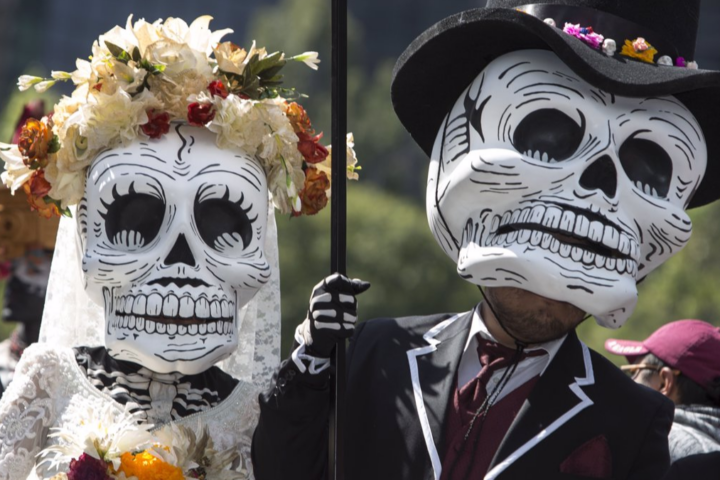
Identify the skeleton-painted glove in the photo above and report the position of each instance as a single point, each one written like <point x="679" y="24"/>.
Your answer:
<point x="332" y="314"/>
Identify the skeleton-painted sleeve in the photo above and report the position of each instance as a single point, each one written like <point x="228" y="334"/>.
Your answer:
<point x="27" y="412"/>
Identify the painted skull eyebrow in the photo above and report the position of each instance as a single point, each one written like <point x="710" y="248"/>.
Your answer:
<point x="251" y="164"/>
<point x="697" y="134"/>
<point x="130" y="164"/>
<point x="558" y="73"/>
<point x="531" y="101"/>
<point x="212" y="169"/>
<point x="546" y="92"/>
<point x="598" y="96"/>
<point x="660" y="119"/>
<point x="525" y="73"/>
<point x="661" y="99"/>
<point x="502" y="75"/>
<point x="550" y="84"/>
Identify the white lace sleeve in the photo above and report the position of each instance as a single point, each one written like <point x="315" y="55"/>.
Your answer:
<point x="26" y="411"/>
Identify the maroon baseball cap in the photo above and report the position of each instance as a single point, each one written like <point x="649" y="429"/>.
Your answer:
<point x="691" y="346"/>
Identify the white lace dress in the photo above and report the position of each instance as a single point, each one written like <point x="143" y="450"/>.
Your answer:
<point x="51" y="390"/>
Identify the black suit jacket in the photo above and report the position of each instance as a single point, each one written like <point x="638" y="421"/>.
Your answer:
<point x="400" y="376"/>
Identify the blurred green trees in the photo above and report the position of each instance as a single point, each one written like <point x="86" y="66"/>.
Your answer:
<point x="389" y="245"/>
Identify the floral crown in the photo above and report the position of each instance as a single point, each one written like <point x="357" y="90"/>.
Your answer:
<point x="141" y="78"/>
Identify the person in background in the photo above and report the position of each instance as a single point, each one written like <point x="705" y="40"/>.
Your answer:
<point x="23" y="303"/>
<point x="681" y="360"/>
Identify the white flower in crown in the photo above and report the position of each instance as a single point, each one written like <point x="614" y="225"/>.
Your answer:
<point x="146" y="75"/>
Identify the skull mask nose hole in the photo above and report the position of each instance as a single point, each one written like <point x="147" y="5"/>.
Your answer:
<point x="180" y="253"/>
<point x="601" y="175"/>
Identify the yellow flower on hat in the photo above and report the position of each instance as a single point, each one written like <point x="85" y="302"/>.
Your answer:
<point x="640" y="49"/>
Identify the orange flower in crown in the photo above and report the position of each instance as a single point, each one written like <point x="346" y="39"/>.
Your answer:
<point x="299" y="118"/>
<point x="314" y="195"/>
<point x="36" y="190"/>
<point x="35" y="140"/>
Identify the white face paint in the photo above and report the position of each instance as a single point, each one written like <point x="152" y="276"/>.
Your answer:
<point x="542" y="182"/>
<point x="172" y="234"/>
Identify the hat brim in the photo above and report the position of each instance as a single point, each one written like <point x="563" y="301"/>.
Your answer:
<point x="441" y="63"/>
<point x="630" y="349"/>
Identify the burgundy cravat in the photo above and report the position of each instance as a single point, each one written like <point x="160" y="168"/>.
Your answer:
<point x="459" y="458"/>
<point x="493" y="357"/>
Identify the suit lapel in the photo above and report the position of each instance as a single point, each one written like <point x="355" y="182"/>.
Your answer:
<point x="556" y="398"/>
<point x="432" y="369"/>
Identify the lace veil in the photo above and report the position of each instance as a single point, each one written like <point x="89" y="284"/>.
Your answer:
<point x="70" y="318"/>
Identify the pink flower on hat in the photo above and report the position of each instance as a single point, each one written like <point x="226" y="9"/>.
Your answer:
<point x="640" y="45"/>
<point x="586" y="34"/>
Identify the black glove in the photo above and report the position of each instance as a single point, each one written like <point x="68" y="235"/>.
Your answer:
<point x="332" y="313"/>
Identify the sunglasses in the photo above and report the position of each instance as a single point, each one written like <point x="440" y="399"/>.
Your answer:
<point x="634" y="369"/>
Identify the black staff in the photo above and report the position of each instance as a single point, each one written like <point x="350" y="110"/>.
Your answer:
<point x="338" y="232"/>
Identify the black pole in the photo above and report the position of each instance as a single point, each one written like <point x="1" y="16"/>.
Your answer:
<point x="336" y="457"/>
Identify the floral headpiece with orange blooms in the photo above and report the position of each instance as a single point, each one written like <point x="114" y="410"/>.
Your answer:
<point x="141" y="78"/>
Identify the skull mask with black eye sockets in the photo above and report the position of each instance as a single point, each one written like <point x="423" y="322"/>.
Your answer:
<point x="172" y="234"/>
<point x="542" y="182"/>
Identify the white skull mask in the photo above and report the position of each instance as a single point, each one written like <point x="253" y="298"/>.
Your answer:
<point x="542" y="182"/>
<point x="172" y="234"/>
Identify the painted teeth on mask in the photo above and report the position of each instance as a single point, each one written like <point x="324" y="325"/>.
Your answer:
<point x="136" y="312"/>
<point x="578" y="225"/>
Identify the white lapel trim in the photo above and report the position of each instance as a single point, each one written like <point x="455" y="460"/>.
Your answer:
<point x="412" y="354"/>
<point x="576" y="387"/>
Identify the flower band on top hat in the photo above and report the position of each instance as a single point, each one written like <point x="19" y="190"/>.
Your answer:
<point x="146" y="75"/>
<point x="637" y="48"/>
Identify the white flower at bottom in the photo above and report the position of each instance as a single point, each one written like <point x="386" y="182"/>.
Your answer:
<point x="16" y="173"/>
<point x="102" y="433"/>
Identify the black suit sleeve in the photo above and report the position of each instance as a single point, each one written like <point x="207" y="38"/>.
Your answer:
<point x="653" y="458"/>
<point x="291" y="439"/>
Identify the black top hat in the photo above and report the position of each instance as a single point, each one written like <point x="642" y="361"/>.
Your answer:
<point x="442" y="62"/>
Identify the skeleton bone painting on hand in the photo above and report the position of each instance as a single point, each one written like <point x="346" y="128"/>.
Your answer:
<point x="542" y="182"/>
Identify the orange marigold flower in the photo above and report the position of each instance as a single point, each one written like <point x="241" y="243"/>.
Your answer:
<point x="311" y="149"/>
<point x="299" y="119"/>
<point x="34" y="143"/>
<point x="145" y="466"/>
<point x="314" y="193"/>
<point x="36" y="189"/>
